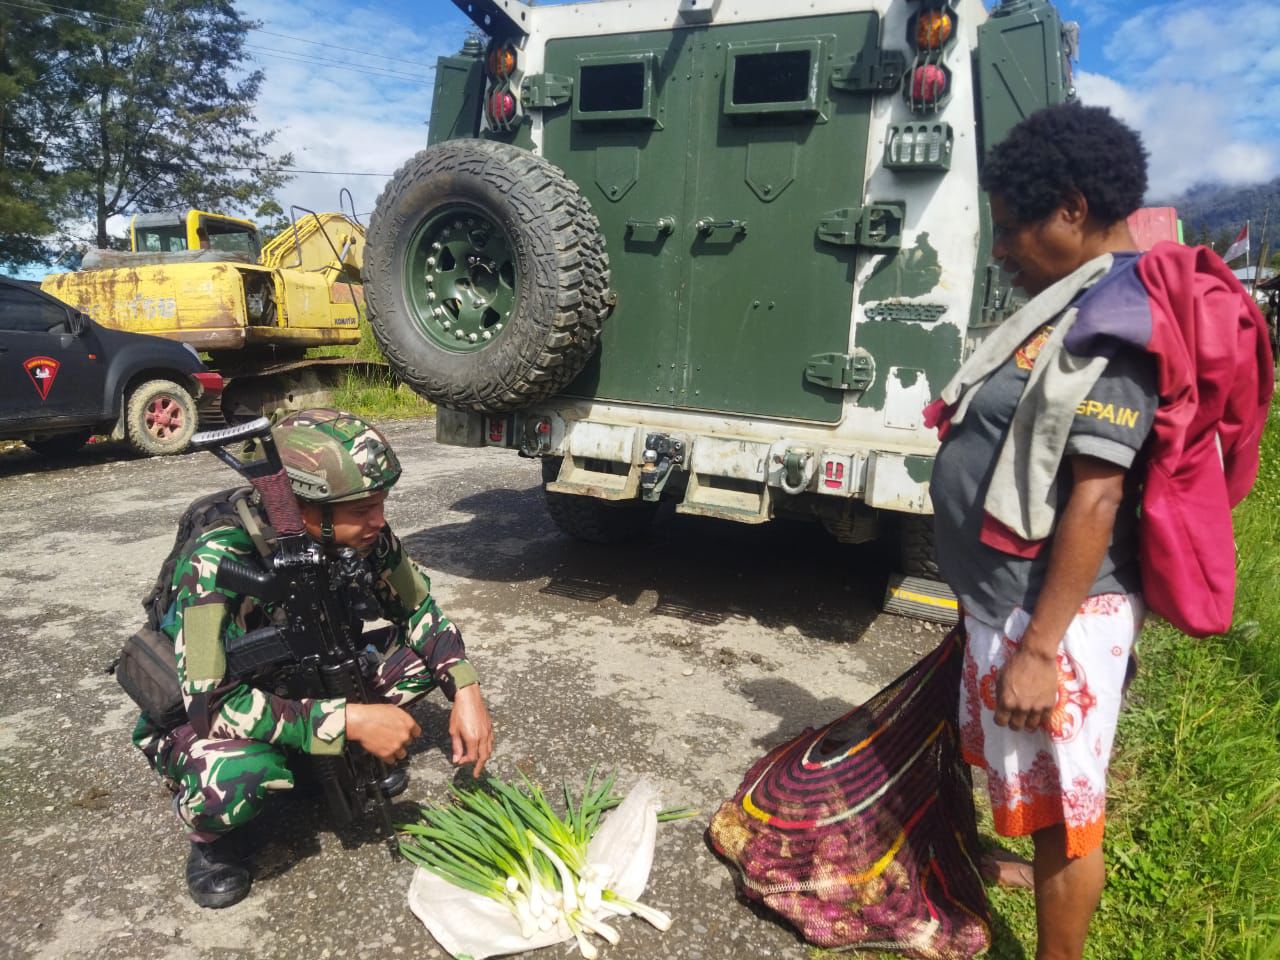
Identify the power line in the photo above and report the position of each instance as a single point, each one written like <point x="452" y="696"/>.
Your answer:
<point x="327" y="173"/>
<point x="336" y="64"/>
<point x="339" y="46"/>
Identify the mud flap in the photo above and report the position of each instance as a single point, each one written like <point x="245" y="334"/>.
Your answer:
<point x="922" y="598"/>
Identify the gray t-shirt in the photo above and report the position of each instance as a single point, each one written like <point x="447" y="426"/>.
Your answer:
<point x="1111" y="424"/>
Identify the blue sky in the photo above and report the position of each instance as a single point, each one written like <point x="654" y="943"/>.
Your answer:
<point x="1196" y="78"/>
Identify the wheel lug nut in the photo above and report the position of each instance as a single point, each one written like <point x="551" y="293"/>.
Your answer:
<point x="458" y="334"/>
<point x="472" y="338"/>
<point x="488" y="334"/>
<point x="431" y="263"/>
<point x="431" y="295"/>
<point x="435" y="248"/>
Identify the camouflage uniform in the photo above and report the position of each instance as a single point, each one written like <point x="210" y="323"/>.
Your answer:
<point x="225" y="761"/>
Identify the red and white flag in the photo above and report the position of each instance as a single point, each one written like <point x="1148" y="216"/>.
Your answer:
<point x="1240" y="245"/>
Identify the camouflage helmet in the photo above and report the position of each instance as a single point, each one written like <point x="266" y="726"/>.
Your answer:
<point x="332" y="456"/>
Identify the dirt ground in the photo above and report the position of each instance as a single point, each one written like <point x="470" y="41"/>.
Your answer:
<point x="682" y="659"/>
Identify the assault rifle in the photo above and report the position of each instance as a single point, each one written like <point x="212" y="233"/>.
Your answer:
<point x="318" y="650"/>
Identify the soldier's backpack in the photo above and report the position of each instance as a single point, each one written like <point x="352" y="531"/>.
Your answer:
<point x="147" y="668"/>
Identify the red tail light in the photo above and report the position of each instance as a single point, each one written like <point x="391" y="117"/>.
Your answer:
<point x="501" y="107"/>
<point x="928" y="84"/>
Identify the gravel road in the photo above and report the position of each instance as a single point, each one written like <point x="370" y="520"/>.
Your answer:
<point x="681" y="659"/>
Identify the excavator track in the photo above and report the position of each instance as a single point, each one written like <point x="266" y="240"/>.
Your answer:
<point x="263" y="389"/>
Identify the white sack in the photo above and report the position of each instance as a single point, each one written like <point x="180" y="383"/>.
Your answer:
<point x="465" y="923"/>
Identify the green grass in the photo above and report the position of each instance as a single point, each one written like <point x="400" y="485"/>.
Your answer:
<point x="1193" y="811"/>
<point x="374" y="395"/>
<point x="377" y="397"/>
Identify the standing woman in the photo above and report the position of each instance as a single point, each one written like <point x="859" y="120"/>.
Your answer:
<point x="1037" y="485"/>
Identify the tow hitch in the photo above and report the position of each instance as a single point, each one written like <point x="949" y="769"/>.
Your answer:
<point x="661" y="453"/>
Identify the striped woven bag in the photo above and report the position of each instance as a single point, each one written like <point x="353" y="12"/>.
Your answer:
<point x="863" y="833"/>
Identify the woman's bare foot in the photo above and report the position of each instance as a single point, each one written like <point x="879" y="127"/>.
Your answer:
<point x="1005" y="869"/>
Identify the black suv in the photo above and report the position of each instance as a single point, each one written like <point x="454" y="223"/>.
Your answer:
<point x="64" y="378"/>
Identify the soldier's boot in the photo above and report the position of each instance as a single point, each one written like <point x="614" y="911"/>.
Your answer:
<point x="216" y="874"/>
<point x="395" y="782"/>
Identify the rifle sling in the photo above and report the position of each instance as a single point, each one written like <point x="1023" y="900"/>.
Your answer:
<point x="252" y="527"/>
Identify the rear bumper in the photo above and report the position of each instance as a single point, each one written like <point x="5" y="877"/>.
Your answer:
<point x="211" y="386"/>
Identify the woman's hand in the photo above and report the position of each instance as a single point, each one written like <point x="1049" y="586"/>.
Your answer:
<point x="1027" y="687"/>
<point x="471" y="729"/>
<point x="383" y="729"/>
<point x="1026" y="690"/>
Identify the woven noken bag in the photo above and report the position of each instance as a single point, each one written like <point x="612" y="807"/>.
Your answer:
<point x="863" y="833"/>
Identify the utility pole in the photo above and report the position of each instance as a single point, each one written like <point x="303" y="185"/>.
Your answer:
<point x="1262" y="251"/>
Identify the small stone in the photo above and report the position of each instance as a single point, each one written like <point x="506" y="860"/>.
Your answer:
<point x="688" y="672"/>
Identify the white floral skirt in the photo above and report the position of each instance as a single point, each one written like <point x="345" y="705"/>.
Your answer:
<point x="1038" y="778"/>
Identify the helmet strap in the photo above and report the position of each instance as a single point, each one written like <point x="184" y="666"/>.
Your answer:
<point x="326" y="523"/>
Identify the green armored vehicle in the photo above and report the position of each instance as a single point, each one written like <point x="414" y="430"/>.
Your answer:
<point x="719" y="251"/>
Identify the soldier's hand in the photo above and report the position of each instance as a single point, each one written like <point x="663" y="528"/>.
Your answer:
<point x="471" y="729"/>
<point x="381" y="728"/>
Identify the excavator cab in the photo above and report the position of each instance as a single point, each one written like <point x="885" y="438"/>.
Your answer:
<point x="194" y="230"/>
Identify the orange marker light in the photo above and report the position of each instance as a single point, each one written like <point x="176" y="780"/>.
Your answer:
<point x="502" y="62"/>
<point x="933" y="29"/>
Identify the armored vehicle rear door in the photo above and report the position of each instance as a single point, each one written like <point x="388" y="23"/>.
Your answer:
<point x="711" y="156"/>
<point x="625" y="140"/>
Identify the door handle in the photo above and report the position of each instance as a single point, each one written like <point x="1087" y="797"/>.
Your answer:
<point x="720" y="230"/>
<point x="650" y="231"/>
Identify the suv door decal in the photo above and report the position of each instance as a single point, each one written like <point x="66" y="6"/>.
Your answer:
<point x="42" y="371"/>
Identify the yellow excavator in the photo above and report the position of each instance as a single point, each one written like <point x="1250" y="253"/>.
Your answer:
<point x="256" y="309"/>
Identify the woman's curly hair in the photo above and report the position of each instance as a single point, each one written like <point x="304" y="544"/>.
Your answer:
<point x="1064" y="148"/>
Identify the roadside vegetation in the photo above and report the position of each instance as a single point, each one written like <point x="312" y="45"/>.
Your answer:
<point x="1193" y="811"/>
<point x="374" y="393"/>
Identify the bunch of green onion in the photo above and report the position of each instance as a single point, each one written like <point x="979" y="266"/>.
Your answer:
<point x="510" y="845"/>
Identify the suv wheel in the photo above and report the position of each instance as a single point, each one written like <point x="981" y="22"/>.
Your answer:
<point x="486" y="276"/>
<point x="60" y="444"/>
<point x="591" y="519"/>
<point x="160" y="418"/>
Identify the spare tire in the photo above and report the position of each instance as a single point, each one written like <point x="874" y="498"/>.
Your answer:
<point x="486" y="276"/>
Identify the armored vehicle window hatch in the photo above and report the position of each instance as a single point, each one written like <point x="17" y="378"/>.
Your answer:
<point x="773" y="76"/>
<point x="615" y="88"/>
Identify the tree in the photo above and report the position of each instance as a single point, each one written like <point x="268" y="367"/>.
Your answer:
<point x="154" y="110"/>
<point x="271" y="220"/>
<point x="33" y="48"/>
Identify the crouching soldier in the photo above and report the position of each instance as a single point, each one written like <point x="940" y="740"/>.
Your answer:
<point x="234" y="749"/>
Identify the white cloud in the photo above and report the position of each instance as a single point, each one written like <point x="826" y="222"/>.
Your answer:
<point x="336" y="119"/>
<point x="1197" y="81"/>
<point x="1189" y="137"/>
